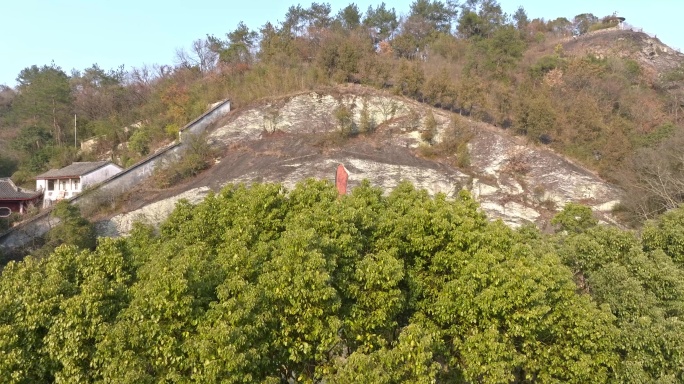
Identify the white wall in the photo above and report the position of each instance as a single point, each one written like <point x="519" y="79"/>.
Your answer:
<point x="100" y="174"/>
<point x="198" y="125"/>
<point x="61" y="189"/>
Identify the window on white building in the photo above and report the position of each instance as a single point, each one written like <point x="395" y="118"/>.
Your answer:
<point x="75" y="184"/>
<point x="50" y="185"/>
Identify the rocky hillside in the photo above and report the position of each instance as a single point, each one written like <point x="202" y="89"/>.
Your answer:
<point x="292" y="138"/>
<point x="655" y="58"/>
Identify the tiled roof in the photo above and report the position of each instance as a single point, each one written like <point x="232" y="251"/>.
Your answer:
<point x="9" y="191"/>
<point x="74" y="170"/>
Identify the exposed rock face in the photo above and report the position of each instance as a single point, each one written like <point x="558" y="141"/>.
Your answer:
<point x="153" y="213"/>
<point x="381" y="174"/>
<point x="280" y="141"/>
<point x="534" y="176"/>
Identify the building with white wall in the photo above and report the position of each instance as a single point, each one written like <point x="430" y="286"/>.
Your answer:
<point x="67" y="182"/>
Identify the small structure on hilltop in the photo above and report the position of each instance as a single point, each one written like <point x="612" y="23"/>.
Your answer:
<point x="17" y="199"/>
<point x="67" y="182"/>
<point x="619" y="20"/>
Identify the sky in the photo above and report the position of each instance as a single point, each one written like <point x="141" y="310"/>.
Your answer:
<point x="75" y="34"/>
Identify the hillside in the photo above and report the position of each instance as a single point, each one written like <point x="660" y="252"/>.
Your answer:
<point x="289" y="139"/>
<point x="654" y="57"/>
<point x="608" y="101"/>
<point x="514" y="213"/>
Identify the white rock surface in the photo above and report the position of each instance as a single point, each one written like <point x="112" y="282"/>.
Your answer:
<point x="153" y="213"/>
<point x="513" y="180"/>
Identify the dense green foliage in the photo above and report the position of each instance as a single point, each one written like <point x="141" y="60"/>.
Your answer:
<point x="72" y="229"/>
<point x="262" y="285"/>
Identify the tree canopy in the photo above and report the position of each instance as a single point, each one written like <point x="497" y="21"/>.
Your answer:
<point x="260" y="284"/>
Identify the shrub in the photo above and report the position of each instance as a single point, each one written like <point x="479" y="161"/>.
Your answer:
<point x="140" y="141"/>
<point x="454" y="143"/>
<point x="412" y="120"/>
<point x="72" y="229"/>
<point x="606" y="22"/>
<point x="172" y="130"/>
<point x="574" y="218"/>
<point x="7" y="166"/>
<point x="430" y="128"/>
<point x="7" y="222"/>
<point x="366" y="123"/>
<point x="676" y="74"/>
<point x="633" y="68"/>
<point x="545" y="64"/>
<point x="345" y="121"/>
<point x="197" y="157"/>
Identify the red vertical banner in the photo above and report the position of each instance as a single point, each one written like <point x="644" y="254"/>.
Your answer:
<point x="341" y="179"/>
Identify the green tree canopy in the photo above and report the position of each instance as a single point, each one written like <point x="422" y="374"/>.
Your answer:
<point x="382" y="20"/>
<point x="438" y="14"/>
<point x="480" y="18"/>
<point x="237" y="49"/>
<point x="349" y="16"/>
<point x="44" y="100"/>
<point x="583" y="22"/>
<point x="260" y="284"/>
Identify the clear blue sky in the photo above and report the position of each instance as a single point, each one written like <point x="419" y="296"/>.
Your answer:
<point x="79" y="33"/>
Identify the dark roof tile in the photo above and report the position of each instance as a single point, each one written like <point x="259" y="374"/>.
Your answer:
<point x="74" y="170"/>
<point x="9" y="191"/>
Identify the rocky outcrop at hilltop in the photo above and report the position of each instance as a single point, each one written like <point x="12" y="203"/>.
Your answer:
<point x="655" y="57"/>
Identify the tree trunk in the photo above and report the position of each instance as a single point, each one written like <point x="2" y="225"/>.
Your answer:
<point x="55" y="126"/>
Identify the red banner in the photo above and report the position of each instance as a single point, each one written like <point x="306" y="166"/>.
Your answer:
<point x="341" y="179"/>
